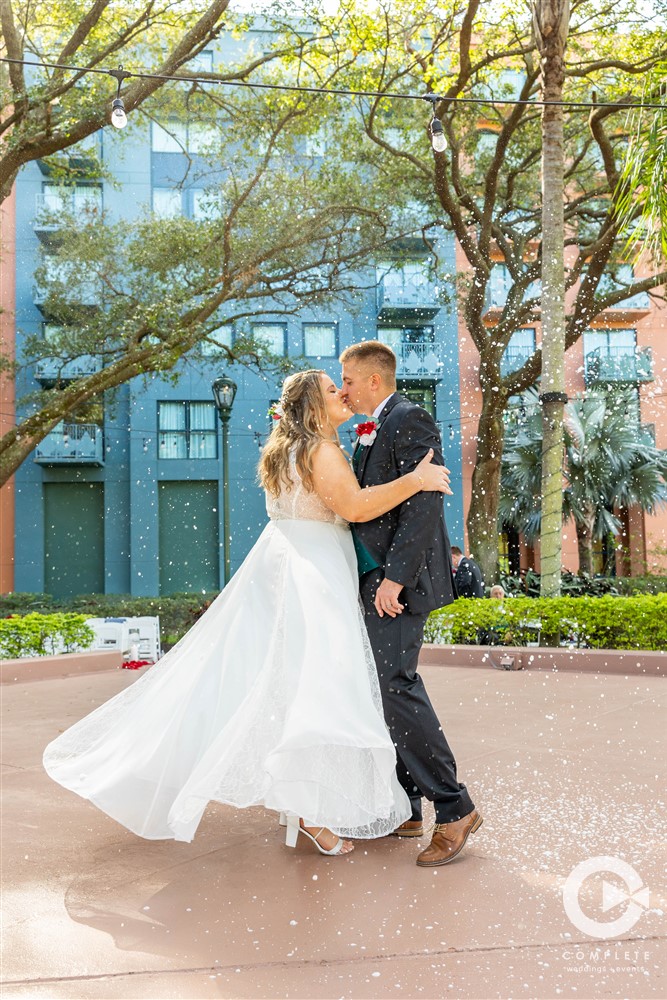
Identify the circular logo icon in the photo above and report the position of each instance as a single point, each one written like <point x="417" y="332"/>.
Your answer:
<point x="635" y="896"/>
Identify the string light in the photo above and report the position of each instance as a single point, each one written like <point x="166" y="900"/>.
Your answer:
<point x="341" y="92"/>
<point x="437" y="132"/>
<point x="118" y="116"/>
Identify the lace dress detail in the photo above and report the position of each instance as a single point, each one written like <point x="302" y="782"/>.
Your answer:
<point x="299" y="504"/>
<point x="271" y="699"/>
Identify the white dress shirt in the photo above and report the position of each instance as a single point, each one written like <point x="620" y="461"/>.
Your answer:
<point x="378" y="409"/>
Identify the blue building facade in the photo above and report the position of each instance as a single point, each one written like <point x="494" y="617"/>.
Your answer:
<point x="130" y="501"/>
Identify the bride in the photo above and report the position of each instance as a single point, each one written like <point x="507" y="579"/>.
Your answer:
<point x="272" y="697"/>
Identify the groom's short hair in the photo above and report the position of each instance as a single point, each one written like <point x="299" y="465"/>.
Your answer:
<point x="375" y="355"/>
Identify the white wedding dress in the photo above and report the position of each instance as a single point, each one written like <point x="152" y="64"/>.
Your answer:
<point x="271" y="699"/>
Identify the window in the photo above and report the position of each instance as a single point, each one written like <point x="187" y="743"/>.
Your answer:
<point x="222" y="337"/>
<point x="394" y="336"/>
<point x="272" y="335"/>
<point x="187" y="430"/>
<point x="205" y="204"/>
<point x="172" y="139"/>
<point x="167" y="202"/>
<point x="202" y="136"/>
<point x="320" y="340"/>
<point x="520" y="348"/>
<point x="404" y="276"/>
<point x="177" y="137"/>
<point x="423" y="396"/>
<point x="78" y="199"/>
<point x="202" y="63"/>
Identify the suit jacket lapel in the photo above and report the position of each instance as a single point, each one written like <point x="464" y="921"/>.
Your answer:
<point x="388" y="406"/>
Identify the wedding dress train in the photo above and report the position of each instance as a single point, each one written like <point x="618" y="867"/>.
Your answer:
<point x="271" y="699"/>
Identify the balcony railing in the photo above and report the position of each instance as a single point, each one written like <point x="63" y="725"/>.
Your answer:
<point x="619" y="364"/>
<point x="83" y="293"/>
<point x="410" y="297"/>
<point x="418" y="360"/>
<point x="53" y="370"/>
<point x="514" y="358"/>
<point x="72" y="444"/>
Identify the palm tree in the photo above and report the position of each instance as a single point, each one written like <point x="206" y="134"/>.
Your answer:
<point x="642" y="192"/>
<point x="610" y="463"/>
<point x="551" y="21"/>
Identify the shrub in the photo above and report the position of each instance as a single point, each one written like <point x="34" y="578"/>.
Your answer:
<point x="177" y="613"/>
<point x="607" y="622"/>
<point x="40" y="635"/>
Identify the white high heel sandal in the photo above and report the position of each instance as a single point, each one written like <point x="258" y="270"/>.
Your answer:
<point x="294" y="828"/>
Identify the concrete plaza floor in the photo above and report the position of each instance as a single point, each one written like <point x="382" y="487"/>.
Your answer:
<point x="565" y="767"/>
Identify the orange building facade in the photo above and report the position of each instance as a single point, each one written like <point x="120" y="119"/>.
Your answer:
<point x="623" y="346"/>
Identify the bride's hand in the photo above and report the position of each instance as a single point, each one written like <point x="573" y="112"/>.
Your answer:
<point x="433" y="478"/>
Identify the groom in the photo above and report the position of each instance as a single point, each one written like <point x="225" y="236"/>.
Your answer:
<point x="405" y="572"/>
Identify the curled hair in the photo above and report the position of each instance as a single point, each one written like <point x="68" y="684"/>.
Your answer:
<point x="300" y="429"/>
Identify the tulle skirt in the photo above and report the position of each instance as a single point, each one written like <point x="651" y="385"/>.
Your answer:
<point x="271" y="699"/>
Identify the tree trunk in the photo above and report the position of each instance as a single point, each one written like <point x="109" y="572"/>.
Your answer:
<point x="551" y="18"/>
<point x="585" y="545"/>
<point x="482" y="521"/>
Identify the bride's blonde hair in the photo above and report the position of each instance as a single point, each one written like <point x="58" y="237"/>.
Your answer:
<point x="303" y="425"/>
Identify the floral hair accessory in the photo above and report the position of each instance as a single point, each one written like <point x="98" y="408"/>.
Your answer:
<point x="276" y="411"/>
<point x="367" y="432"/>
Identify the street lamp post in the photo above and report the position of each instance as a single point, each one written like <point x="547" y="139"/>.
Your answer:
<point x="224" y="391"/>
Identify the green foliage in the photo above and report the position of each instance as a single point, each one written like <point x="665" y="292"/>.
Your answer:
<point x="37" y="634"/>
<point x="607" y="622"/>
<point x="609" y="463"/>
<point x="642" y="189"/>
<point x="572" y="585"/>
<point x="177" y="613"/>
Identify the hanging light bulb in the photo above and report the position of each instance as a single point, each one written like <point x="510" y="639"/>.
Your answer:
<point x="437" y="132"/>
<point x="118" y="116"/>
<point x="451" y="433"/>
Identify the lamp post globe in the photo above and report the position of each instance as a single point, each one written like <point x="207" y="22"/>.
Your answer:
<point x="224" y="391"/>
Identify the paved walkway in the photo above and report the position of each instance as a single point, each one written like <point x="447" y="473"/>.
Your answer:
<point x="565" y="767"/>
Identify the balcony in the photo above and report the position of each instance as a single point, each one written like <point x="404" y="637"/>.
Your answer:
<point x="401" y="297"/>
<point x="51" y="205"/>
<point x="420" y="360"/>
<point x="514" y="358"/>
<point x="72" y="444"/>
<point x="619" y="365"/>
<point x="76" y="290"/>
<point x="53" y="371"/>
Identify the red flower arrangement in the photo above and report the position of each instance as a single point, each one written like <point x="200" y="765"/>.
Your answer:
<point x="367" y="432"/>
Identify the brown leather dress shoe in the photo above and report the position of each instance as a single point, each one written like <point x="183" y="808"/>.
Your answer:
<point x="411" y="828"/>
<point x="449" y="840"/>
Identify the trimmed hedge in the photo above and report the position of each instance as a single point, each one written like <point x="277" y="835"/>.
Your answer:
<point x="177" y="612"/>
<point x="528" y="585"/>
<point x="638" y="622"/>
<point x="592" y="622"/>
<point x="43" y="635"/>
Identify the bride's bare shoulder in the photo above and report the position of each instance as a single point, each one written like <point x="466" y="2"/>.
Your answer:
<point x="329" y="451"/>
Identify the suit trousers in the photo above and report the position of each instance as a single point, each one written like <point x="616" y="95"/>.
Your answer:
<point x="425" y="763"/>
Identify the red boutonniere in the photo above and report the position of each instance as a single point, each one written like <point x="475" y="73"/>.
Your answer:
<point x="367" y="432"/>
